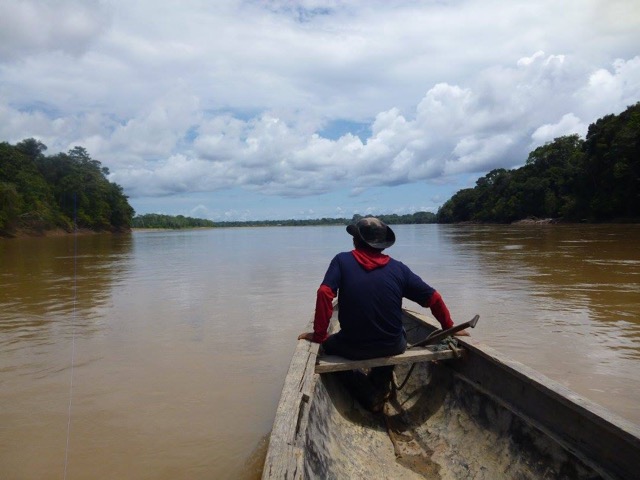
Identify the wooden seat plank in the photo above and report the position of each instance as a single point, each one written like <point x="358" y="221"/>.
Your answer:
<point x="334" y="363"/>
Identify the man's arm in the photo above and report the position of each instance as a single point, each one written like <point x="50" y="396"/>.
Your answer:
<point x="324" y="310"/>
<point x="441" y="312"/>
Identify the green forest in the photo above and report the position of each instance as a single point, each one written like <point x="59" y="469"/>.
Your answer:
<point x="592" y="180"/>
<point x="62" y="191"/>
<point x="156" y="220"/>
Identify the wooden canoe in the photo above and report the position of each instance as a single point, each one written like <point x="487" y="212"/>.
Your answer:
<point x="479" y="416"/>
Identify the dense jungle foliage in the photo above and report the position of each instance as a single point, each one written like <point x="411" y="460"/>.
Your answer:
<point x="65" y="190"/>
<point x="156" y="220"/>
<point x="596" y="179"/>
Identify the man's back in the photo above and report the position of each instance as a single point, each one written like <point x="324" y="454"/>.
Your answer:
<point x="371" y="287"/>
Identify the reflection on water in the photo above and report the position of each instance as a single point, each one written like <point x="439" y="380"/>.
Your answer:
<point x="586" y="275"/>
<point x="38" y="283"/>
<point x="183" y="339"/>
<point x="564" y="299"/>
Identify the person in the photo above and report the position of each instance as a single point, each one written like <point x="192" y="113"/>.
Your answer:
<point x="370" y="286"/>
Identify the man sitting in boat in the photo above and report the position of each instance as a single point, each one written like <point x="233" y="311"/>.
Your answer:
<point x="370" y="287"/>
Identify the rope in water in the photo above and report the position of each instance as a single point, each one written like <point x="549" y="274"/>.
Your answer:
<point x="73" y="335"/>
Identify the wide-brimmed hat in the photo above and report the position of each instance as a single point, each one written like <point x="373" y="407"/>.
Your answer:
<point x="373" y="232"/>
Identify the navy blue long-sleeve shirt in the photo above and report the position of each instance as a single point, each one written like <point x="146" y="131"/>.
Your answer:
<point x="370" y="291"/>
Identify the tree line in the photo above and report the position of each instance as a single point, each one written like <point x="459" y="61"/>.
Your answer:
<point x="66" y="190"/>
<point x="408" y="219"/>
<point x="157" y="220"/>
<point x="154" y="220"/>
<point x="595" y="180"/>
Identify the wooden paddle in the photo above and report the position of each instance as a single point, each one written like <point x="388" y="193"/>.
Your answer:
<point x="438" y="335"/>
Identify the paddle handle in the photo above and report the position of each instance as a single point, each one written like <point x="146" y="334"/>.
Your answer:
<point x="436" y="336"/>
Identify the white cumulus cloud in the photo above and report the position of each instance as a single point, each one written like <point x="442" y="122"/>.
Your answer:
<point x="193" y="97"/>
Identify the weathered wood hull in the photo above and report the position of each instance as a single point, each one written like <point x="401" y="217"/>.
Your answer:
<point x="481" y="416"/>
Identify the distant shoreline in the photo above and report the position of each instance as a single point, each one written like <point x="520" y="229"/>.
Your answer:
<point x="165" y="229"/>
<point x="56" y="232"/>
<point x="59" y="232"/>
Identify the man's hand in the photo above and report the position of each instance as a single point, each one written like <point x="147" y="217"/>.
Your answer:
<point x="306" y="336"/>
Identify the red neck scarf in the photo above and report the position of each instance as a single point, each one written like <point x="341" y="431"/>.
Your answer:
<point x="370" y="259"/>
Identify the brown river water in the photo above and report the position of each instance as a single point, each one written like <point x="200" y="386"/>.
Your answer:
<point x="161" y="355"/>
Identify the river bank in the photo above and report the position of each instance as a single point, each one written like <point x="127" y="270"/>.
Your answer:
<point x="56" y="232"/>
<point x="25" y="233"/>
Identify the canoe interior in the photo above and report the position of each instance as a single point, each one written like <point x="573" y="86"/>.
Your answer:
<point x="479" y="417"/>
<point x="438" y="427"/>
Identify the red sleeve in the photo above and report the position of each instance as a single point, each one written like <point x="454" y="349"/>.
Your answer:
<point x="324" y="310"/>
<point x="440" y="310"/>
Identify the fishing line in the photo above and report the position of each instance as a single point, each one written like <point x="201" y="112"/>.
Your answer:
<point x="73" y="329"/>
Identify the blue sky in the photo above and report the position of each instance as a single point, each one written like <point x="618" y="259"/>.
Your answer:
<point x="274" y="109"/>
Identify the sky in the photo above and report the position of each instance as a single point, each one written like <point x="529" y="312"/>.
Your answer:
<point x="274" y="109"/>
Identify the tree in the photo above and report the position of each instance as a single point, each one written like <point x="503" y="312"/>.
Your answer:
<point x="612" y="165"/>
<point x="560" y="164"/>
<point x="459" y="208"/>
<point x="33" y="204"/>
<point x="32" y="148"/>
<point x="10" y="207"/>
<point x="597" y="178"/>
<point x="42" y="192"/>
